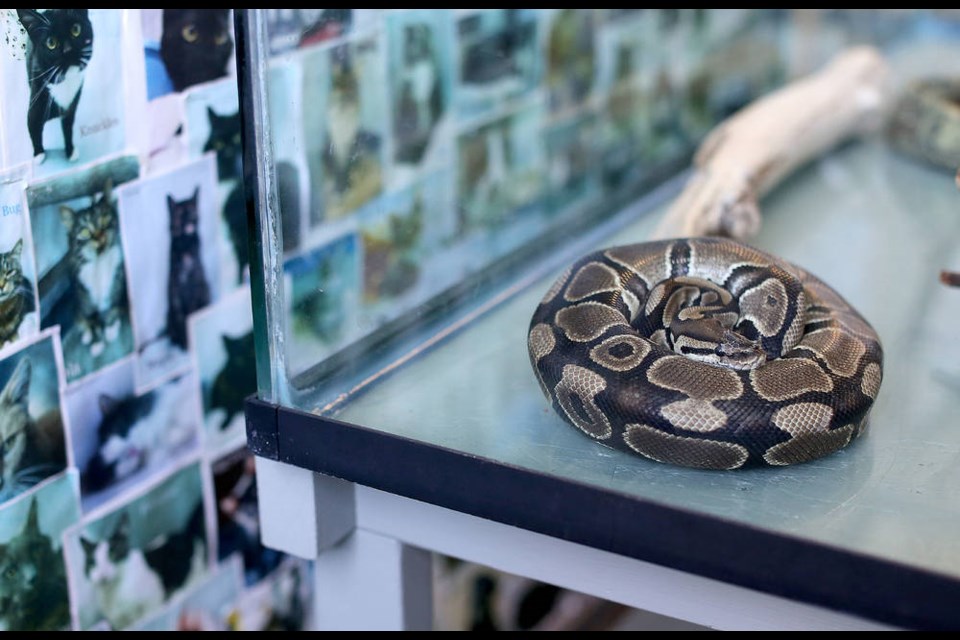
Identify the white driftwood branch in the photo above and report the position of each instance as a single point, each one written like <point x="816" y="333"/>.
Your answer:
<point x="747" y="155"/>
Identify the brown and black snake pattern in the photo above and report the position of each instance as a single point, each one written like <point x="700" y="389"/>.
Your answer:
<point x="607" y="352"/>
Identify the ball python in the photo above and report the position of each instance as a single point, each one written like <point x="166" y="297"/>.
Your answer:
<point x="705" y="353"/>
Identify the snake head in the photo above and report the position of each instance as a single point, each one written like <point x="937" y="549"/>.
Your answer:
<point x="738" y="352"/>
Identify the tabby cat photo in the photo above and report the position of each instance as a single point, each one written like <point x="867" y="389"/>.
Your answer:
<point x="31" y="427"/>
<point x="81" y="266"/>
<point x="16" y="294"/>
<point x="33" y="581"/>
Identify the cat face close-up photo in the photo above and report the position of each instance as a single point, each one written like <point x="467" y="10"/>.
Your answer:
<point x="196" y="45"/>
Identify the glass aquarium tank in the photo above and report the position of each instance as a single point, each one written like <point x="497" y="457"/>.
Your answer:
<point x="418" y="179"/>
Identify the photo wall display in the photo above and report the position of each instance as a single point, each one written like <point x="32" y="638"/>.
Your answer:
<point x="126" y="347"/>
<point x="528" y="117"/>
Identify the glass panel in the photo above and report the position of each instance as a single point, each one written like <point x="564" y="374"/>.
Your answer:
<point x="404" y="285"/>
<point x="416" y="156"/>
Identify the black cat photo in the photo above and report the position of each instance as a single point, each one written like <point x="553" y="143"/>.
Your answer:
<point x="58" y="51"/>
<point x="170" y="230"/>
<point x="188" y="289"/>
<point x="196" y="45"/>
<point x="224" y="140"/>
<point x="236" y="380"/>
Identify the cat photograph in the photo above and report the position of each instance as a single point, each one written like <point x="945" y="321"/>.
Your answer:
<point x="500" y="171"/>
<point x="323" y="290"/>
<point x="282" y="602"/>
<point x="33" y="578"/>
<point x="17" y="299"/>
<point x="572" y="154"/>
<point x="58" y="52"/>
<point x="196" y="45"/>
<point x="81" y="264"/>
<point x="213" y="126"/>
<point x="121" y="437"/>
<point x="170" y="230"/>
<point x="570" y="58"/>
<point x="210" y="604"/>
<point x="31" y="424"/>
<point x="345" y="156"/>
<point x="238" y="522"/>
<point x="222" y="336"/>
<point x="126" y="564"/>
<point x="419" y="78"/>
<point x="65" y="91"/>
<point x="497" y="57"/>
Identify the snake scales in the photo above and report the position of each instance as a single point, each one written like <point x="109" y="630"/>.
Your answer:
<point x="705" y="353"/>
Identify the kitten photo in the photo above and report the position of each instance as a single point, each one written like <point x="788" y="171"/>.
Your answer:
<point x="16" y="294"/>
<point x="31" y="428"/>
<point x="59" y="49"/>
<point x="131" y="580"/>
<point x="33" y="581"/>
<point x="196" y="45"/>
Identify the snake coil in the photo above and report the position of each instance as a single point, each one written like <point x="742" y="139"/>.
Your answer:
<point x="705" y="353"/>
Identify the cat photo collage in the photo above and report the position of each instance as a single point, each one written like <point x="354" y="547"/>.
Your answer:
<point x="127" y="496"/>
<point x="440" y="141"/>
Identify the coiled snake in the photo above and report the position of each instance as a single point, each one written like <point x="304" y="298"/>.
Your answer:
<point x="705" y="353"/>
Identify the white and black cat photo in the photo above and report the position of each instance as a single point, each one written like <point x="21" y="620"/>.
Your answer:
<point x="81" y="266"/>
<point x="170" y="233"/>
<point x="420" y="79"/>
<point x="33" y="578"/>
<point x="128" y="562"/>
<point x="32" y="440"/>
<point x="121" y="438"/>
<point x="73" y="106"/>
